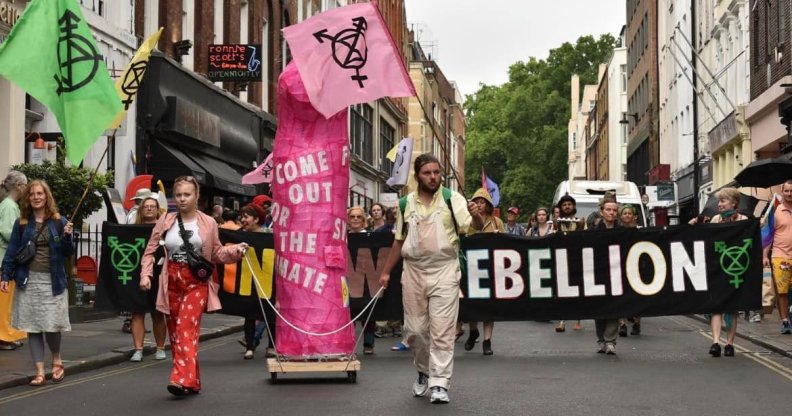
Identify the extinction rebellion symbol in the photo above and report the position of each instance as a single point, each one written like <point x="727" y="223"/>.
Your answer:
<point x="125" y="257"/>
<point x="349" y="47"/>
<point x="132" y="81"/>
<point x="734" y="260"/>
<point x="77" y="57"/>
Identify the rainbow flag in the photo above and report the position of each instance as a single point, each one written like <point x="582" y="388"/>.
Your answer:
<point x="768" y="221"/>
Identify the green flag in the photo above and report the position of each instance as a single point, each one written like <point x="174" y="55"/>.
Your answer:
<point x="51" y="54"/>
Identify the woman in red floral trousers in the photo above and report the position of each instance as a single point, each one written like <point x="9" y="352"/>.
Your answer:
<point x="181" y="296"/>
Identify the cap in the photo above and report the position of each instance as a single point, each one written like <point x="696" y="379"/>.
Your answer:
<point x="566" y="198"/>
<point x="141" y="194"/>
<point x="260" y="200"/>
<point x="482" y="193"/>
<point x="514" y="210"/>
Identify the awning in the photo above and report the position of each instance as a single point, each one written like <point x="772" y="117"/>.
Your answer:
<point x="171" y="162"/>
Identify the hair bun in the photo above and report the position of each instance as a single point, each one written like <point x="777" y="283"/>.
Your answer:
<point x="609" y="196"/>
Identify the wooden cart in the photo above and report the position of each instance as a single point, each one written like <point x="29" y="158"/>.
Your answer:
<point x="351" y="366"/>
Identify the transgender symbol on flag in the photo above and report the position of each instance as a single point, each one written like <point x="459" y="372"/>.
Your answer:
<point x="346" y="51"/>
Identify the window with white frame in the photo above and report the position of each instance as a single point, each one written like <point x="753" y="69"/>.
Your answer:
<point x="387" y="139"/>
<point x="361" y="132"/>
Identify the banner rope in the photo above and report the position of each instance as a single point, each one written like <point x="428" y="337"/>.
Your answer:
<point x="259" y="289"/>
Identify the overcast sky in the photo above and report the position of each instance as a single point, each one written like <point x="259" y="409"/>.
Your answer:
<point x="476" y="40"/>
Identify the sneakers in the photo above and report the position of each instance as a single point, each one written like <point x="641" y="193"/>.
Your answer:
<point x="636" y="329"/>
<point x="439" y="396"/>
<point x="471" y="341"/>
<point x="368" y="350"/>
<point x="421" y="386"/>
<point x="380" y="333"/>
<point x="600" y="348"/>
<point x="400" y="346"/>
<point x="786" y="328"/>
<point x="755" y="317"/>
<point x="728" y="351"/>
<point x="715" y="350"/>
<point x="610" y="349"/>
<point x="623" y="330"/>
<point x="160" y="355"/>
<point x="137" y="356"/>
<point x="248" y="355"/>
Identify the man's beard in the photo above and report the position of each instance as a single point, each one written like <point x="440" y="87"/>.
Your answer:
<point x="425" y="188"/>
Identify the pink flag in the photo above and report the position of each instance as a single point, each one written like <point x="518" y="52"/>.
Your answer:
<point x="347" y="56"/>
<point x="262" y="174"/>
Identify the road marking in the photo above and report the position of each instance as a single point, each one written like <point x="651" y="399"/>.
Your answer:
<point x="780" y="369"/>
<point x="52" y="386"/>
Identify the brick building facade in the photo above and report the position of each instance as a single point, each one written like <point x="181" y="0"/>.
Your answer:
<point x="643" y="146"/>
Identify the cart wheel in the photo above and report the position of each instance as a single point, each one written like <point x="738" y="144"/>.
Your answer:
<point x="273" y="376"/>
<point x="352" y="376"/>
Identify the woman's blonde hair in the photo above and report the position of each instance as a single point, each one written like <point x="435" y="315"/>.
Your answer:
<point x="139" y="214"/>
<point x="729" y="193"/>
<point x="50" y="208"/>
<point x="358" y="208"/>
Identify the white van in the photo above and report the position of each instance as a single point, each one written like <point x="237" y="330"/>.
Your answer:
<point x="587" y="195"/>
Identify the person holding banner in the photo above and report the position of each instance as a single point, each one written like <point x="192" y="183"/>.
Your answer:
<point x="12" y="187"/>
<point x="356" y="220"/>
<point x="728" y="201"/>
<point x="252" y="218"/>
<point x="629" y="219"/>
<point x="490" y="224"/>
<point x="377" y="213"/>
<point x="427" y="236"/>
<point x="41" y="304"/>
<point x="607" y="328"/>
<point x="543" y="227"/>
<point x="148" y="213"/>
<point x="181" y="295"/>
<point x="565" y="223"/>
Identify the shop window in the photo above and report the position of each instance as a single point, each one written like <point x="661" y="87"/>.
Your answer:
<point x="362" y="132"/>
<point x="387" y="134"/>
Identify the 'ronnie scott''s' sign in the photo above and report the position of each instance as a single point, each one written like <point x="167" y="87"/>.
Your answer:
<point x="234" y="62"/>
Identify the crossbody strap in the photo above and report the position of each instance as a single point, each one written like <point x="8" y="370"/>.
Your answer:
<point x="38" y="234"/>
<point x="183" y="234"/>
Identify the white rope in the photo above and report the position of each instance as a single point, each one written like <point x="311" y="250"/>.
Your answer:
<point x="262" y="294"/>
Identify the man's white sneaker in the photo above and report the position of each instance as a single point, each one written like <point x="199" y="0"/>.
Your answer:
<point x="439" y="396"/>
<point x="421" y="385"/>
<point x="610" y="349"/>
<point x="160" y="355"/>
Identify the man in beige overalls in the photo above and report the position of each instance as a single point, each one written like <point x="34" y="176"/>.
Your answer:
<point x="428" y="240"/>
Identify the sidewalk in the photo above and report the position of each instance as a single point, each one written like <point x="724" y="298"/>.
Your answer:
<point x="766" y="334"/>
<point x="96" y="344"/>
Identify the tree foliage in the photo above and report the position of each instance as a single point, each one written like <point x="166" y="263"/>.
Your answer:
<point x="518" y="131"/>
<point x="67" y="184"/>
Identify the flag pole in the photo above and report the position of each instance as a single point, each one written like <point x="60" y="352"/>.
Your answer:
<point x="93" y="176"/>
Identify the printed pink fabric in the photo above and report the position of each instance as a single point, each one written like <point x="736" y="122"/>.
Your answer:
<point x="309" y="193"/>
<point x="347" y="56"/>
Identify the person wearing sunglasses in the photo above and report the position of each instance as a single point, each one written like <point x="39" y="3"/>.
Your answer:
<point x="148" y="213"/>
<point x="181" y="295"/>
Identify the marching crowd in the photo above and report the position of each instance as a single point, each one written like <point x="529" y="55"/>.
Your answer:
<point x="35" y="239"/>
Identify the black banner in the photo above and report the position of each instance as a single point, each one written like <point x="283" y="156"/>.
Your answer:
<point x="592" y="274"/>
<point x="119" y="269"/>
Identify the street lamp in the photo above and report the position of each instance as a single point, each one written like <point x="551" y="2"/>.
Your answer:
<point x="625" y="121"/>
